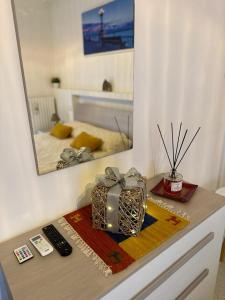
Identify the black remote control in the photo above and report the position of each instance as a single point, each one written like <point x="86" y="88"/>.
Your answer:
<point x="57" y="240"/>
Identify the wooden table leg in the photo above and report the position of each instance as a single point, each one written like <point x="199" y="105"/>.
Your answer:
<point x="222" y="255"/>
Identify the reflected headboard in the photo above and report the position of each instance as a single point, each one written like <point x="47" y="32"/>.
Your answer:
<point x="103" y="115"/>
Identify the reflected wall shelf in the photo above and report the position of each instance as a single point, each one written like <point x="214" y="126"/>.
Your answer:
<point x="99" y="94"/>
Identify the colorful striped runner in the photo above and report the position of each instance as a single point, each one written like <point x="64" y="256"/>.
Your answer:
<point x="113" y="253"/>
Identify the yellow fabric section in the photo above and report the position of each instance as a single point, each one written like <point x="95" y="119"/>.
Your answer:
<point x="153" y="236"/>
<point x="61" y="131"/>
<point x="86" y="140"/>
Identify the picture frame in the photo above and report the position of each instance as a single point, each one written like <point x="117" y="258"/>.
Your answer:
<point x="109" y="27"/>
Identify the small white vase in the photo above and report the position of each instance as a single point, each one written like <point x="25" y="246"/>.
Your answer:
<point x="56" y="85"/>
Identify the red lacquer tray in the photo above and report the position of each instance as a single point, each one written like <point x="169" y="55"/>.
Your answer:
<point x="184" y="195"/>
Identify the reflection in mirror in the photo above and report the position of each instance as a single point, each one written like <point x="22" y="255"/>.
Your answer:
<point x="77" y="60"/>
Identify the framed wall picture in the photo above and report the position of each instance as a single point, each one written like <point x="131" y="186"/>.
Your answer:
<point x="109" y="27"/>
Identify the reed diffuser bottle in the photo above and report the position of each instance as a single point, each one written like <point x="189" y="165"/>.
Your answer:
<point x="173" y="180"/>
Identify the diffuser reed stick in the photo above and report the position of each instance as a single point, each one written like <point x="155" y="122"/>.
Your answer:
<point x="118" y="126"/>
<point x="181" y="145"/>
<point x="178" y="139"/>
<point x="188" y="147"/>
<point x="172" y="144"/>
<point x="177" y="152"/>
<point x="164" y="146"/>
<point x="128" y="131"/>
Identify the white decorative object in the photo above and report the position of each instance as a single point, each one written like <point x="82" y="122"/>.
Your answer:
<point x="56" y="85"/>
<point x="55" y="82"/>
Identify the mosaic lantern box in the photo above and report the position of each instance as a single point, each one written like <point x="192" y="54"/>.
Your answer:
<point x="119" y="202"/>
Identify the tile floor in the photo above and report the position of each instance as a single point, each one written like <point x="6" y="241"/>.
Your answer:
<point x="220" y="284"/>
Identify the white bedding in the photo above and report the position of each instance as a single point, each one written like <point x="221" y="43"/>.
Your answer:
<point x="49" y="148"/>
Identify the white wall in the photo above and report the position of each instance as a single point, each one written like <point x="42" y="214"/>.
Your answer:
<point x="81" y="71"/>
<point x="179" y="74"/>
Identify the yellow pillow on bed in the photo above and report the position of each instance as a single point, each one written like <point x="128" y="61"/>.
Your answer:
<point x="61" y="131"/>
<point x="86" y="140"/>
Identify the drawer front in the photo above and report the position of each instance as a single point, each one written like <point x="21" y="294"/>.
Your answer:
<point x="175" y="267"/>
<point x="173" y="270"/>
<point x="190" y="275"/>
<point x="196" y="283"/>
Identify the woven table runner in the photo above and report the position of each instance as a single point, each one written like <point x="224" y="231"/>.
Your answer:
<point x="113" y="253"/>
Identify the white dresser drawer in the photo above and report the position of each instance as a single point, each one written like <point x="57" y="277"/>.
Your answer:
<point x="186" y="274"/>
<point x="171" y="273"/>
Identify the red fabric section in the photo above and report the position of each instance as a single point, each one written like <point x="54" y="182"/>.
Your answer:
<point x="105" y="247"/>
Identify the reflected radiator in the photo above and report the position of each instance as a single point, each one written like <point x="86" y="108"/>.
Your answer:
<point x="41" y="109"/>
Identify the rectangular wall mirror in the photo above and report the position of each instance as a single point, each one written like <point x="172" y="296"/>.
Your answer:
<point x="77" y="62"/>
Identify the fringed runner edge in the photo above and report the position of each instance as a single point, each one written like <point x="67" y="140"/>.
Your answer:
<point x="83" y="246"/>
<point x="170" y="208"/>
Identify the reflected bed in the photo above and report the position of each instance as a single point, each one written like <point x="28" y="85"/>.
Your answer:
<point x="49" y="148"/>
